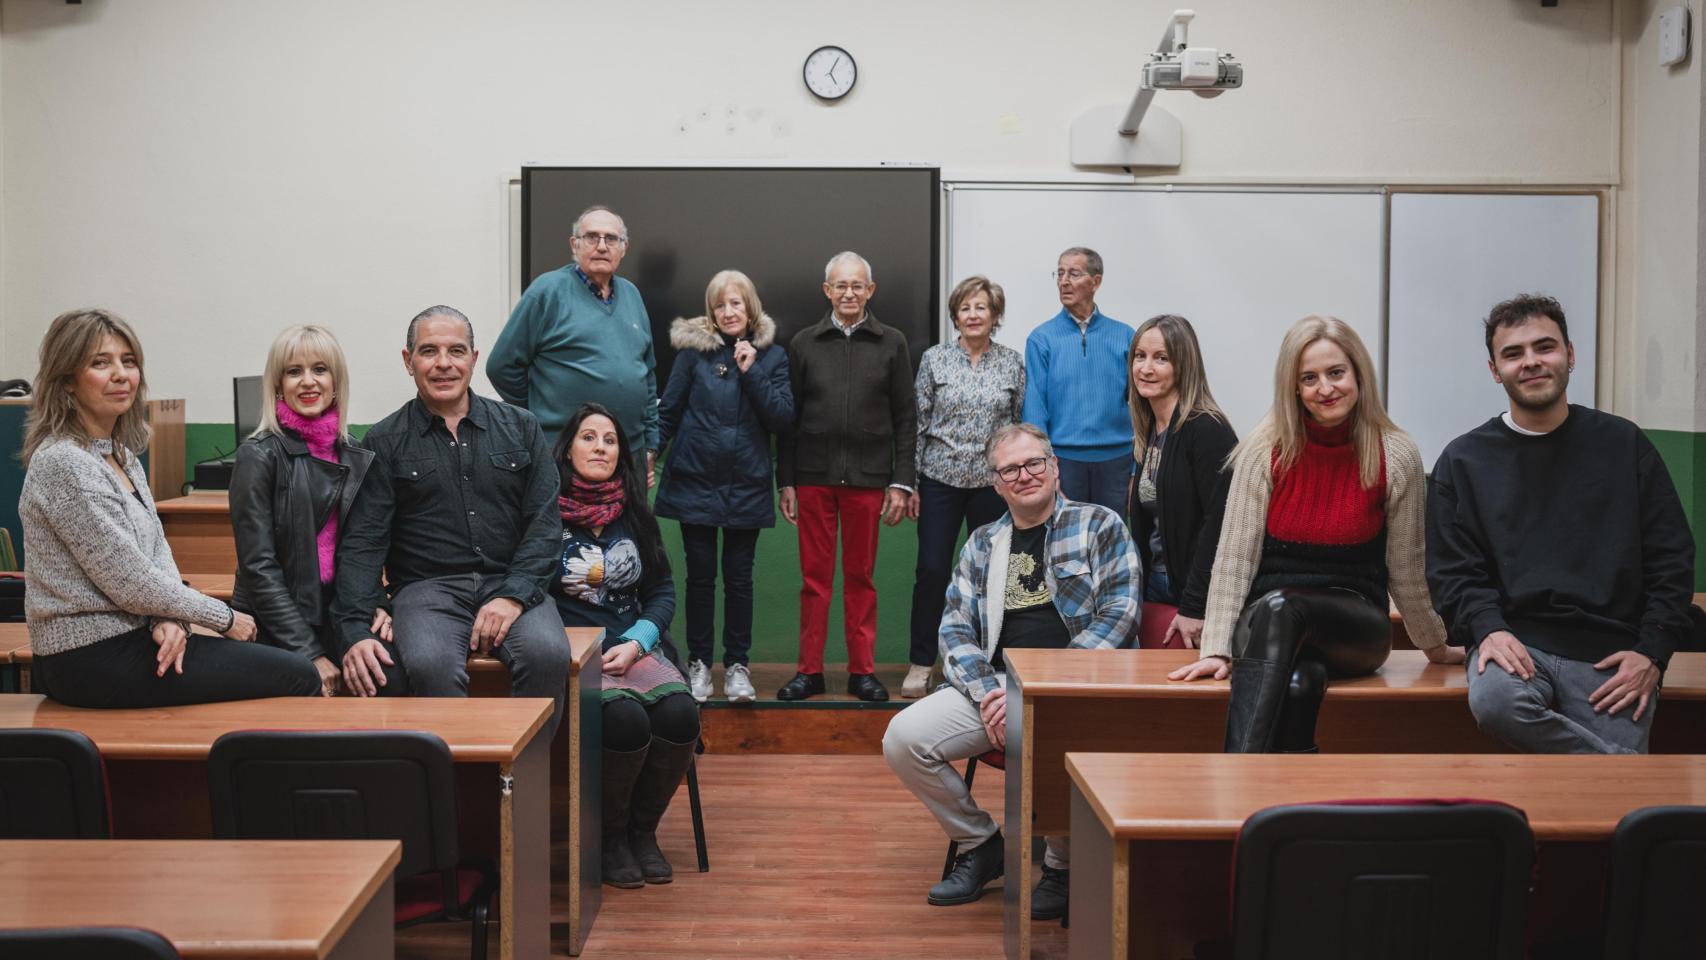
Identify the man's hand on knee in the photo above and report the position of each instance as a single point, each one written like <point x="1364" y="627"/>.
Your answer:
<point x="492" y="623"/>
<point x="363" y="672"/>
<point x="1503" y="648"/>
<point x="993" y="712"/>
<point x="1634" y="682"/>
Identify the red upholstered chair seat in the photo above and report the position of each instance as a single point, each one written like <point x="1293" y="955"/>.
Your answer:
<point x="421" y="896"/>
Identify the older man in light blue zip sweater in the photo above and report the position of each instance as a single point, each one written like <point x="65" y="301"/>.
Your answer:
<point x="1075" y="386"/>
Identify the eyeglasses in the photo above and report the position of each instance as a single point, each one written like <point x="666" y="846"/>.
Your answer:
<point x="1074" y="275"/>
<point x="845" y="287"/>
<point x="1034" y="466"/>
<point x="602" y="239"/>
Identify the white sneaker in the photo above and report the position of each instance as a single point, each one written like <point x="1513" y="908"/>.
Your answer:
<point x="917" y="682"/>
<point x="699" y="679"/>
<point x="737" y="684"/>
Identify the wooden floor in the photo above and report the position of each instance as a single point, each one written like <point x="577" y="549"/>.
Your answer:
<point x="811" y="856"/>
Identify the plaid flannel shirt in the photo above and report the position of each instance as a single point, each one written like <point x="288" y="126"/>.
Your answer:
<point x="1093" y="575"/>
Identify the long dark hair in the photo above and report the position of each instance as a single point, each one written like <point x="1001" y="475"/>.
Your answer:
<point x="642" y="523"/>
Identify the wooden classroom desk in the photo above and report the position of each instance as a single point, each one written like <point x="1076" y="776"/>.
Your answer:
<point x="156" y="771"/>
<point x="575" y="755"/>
<point x="198" y="529"/>
<point x="277" y="899"/>
<point x="1152" y="833"/>
<point x="1121" y="700"/>
<point x="219" y="586"/>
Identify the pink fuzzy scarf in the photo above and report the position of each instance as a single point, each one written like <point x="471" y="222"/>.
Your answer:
<point x="321" y="435"/>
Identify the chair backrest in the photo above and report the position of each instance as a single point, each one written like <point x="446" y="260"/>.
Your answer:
<point x="1153" y="623"/>
<point x="1658" y="880"/>
<point x="339" y="785"/>
<point x="12" y="598"/>
<point x="86" y="943"/>
<point x="1379" y="882"/>
<point x="52" y="786"/>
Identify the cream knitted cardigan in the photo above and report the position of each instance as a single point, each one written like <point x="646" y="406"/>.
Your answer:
<point x="1239" y="555"/>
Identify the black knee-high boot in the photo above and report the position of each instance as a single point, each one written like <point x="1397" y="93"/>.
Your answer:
<point x="1302" y="705"/>
<point x="1258" y="695"/>
<point x="666" y="765"/>
<point x="621" y="772"/>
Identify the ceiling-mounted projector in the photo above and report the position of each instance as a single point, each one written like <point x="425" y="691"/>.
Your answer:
<point x="1107" y="136"/>
<point x="1204" y="71"/>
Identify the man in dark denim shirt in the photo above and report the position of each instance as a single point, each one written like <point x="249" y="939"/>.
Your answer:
<point x="460" y="510"/>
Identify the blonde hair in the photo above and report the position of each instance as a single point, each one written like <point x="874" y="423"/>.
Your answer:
<point x="1190" y="378"/>
<point x="1282" y="429"/>
<point x="972" y="286"/>
<point x="66" y="350"/>
<point x="743" y="286"/>
<point x="309" y="343"/>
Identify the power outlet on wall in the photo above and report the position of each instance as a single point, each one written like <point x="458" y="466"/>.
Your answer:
<point x="1673" y="36"/>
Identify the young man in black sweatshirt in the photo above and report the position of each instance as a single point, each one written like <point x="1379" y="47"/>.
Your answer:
<point x="1558" y="553"/>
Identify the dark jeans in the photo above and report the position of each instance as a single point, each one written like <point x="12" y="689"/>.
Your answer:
<point x="739" y="547"/>
<point x="118" y="672"/>
<point x="1105" y="483"/>
<point x="941" y="510"/>
<point x="1287" y="644"/>
<point x="433" y="620"/>
<point x="629" y="724"/>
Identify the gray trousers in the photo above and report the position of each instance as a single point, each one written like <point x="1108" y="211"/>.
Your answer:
<point x="433" y="621"/>
<point x="920" y="742"/>
<point x="1550" y="713"/>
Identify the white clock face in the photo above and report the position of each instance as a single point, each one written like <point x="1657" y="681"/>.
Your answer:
<point x="830" y="72"/>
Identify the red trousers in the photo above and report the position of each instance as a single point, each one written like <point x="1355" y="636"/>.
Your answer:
<point x="859" y="511"/>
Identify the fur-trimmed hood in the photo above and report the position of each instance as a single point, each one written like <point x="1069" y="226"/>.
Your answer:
<point x="700" y="333"/>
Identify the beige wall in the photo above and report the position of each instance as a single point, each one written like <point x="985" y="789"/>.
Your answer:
<point x="1660" y="336"/>
<point x="218" y="169"/>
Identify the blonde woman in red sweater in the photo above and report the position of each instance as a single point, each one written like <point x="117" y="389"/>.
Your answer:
<point x="1323" y="520"/>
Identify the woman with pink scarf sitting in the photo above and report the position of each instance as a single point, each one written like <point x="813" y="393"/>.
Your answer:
<point x="613" y="574"/>
<point x="295" y="480"/>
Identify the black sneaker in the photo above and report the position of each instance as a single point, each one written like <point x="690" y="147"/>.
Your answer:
<point x="1050" y="899"/>
<point x="972" y="869"/>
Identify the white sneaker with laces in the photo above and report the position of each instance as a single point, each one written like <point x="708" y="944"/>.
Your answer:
<point x="699" y="679"/>
<point x="917" y="682"/>
<point x="737" y="684"/>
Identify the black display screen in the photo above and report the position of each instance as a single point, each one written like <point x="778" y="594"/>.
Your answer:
<point x="778" y="225"/>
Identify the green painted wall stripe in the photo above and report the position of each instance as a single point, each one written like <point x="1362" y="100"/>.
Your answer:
<point x="1685" y="454"/>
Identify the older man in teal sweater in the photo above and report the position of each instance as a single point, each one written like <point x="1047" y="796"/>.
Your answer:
<point x="582" y="333"/>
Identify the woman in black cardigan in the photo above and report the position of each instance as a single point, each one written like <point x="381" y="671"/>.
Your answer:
<point x="1181" y="441"/>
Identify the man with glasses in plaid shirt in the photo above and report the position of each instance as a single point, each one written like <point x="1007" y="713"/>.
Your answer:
<point x="1051" y="573"/>
<point x="579" y="334"/>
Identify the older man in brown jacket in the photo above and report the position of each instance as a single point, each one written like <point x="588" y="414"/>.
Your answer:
<point x="848" y="461"/>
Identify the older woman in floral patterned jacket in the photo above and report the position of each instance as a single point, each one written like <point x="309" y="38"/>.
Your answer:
<point x="967" y="390"/>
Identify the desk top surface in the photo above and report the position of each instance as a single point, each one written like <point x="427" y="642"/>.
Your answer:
<point x="1407" y="675"/>
<point x="1186" y="796"/>
<point x="478" y="730"/>
<point x="198" y="501"/>
<point x="584" y="642"/>
<point x="211" y="898"/>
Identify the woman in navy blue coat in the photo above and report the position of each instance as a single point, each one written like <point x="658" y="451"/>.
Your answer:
<point x="727" y="395"/>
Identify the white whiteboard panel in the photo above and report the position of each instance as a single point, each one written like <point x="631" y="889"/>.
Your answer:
<point x="1453" y="257"/>
<point x="1242" y="266"/>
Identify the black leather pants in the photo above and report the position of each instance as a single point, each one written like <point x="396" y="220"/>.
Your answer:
<point x="1287" y="644"/>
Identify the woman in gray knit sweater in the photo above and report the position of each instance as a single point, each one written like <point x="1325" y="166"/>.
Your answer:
<point x="109" y="617"/>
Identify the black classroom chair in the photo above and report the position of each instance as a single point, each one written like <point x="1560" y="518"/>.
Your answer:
<point x="52" y="787"/>
<point x="86" y="943"/>
<point x="357" y="785"/>
<point x="1399" y="881"/>
<point x="1657" y="882"/>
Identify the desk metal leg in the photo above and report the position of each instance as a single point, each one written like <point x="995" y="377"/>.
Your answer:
<point x="584" y="711"/>
<point x="373" y="932"/>
<point x="1016" y="888"/>
<point x="524" y="868"/>
<point x="1101" y="893"/>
